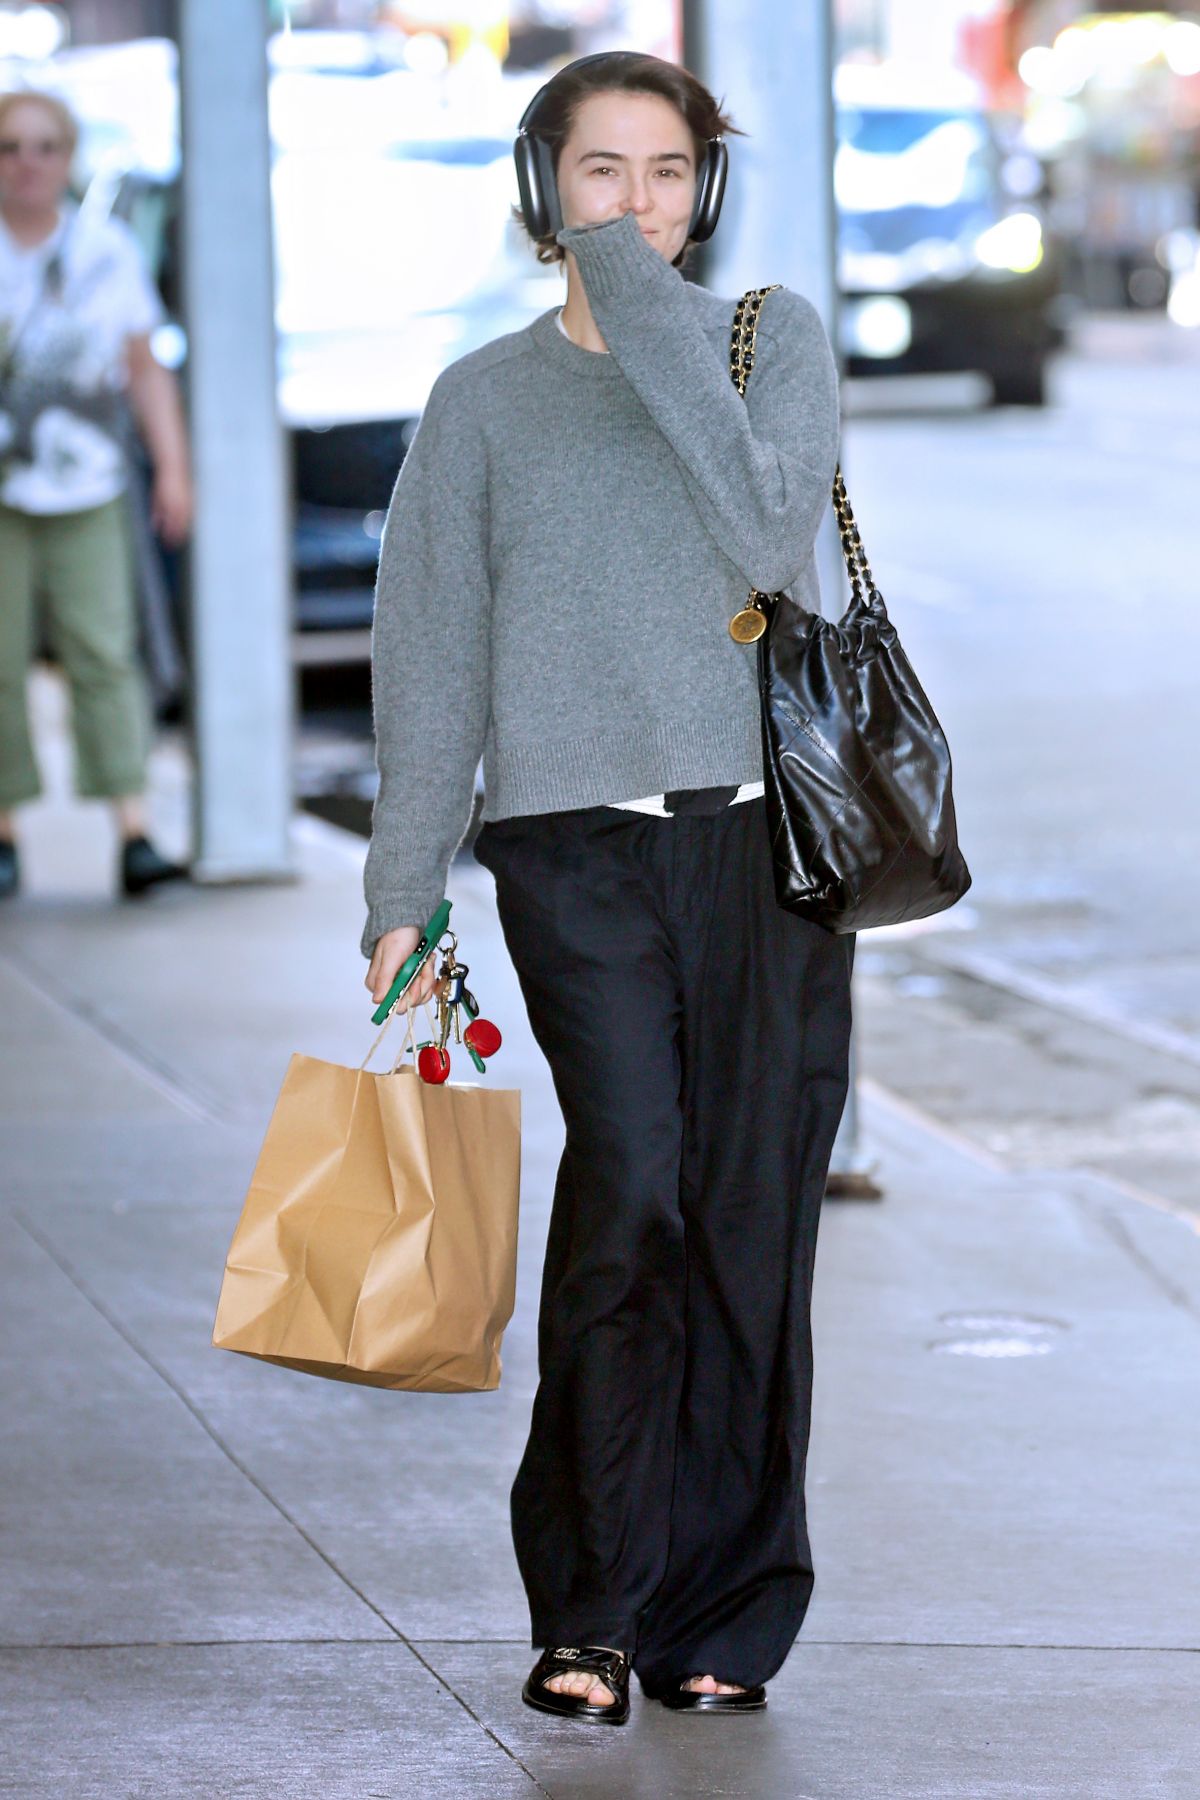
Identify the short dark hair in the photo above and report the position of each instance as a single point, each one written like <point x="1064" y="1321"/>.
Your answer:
<point x="626" y="74"/>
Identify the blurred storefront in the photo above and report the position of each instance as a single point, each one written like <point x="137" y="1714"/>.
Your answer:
<point x="1113" y="108"/>
<point x="1107" y="97"/>
<point x="519" y="33"/>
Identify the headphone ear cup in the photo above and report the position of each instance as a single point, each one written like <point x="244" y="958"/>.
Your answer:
<point x="551" y="209"/>
<point x="529" y="187"/>
<point x="537" y="186"/>
<point x="710" y="191"/>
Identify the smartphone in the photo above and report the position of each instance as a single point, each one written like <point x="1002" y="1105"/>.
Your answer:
<point x="412" y="965"/>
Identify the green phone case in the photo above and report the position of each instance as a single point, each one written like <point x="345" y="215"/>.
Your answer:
<point x="429" y="941"/>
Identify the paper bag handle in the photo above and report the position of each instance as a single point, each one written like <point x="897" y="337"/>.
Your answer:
<point x="407" y="1042"/>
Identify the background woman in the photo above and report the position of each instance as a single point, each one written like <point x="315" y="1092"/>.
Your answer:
<point x="76" y="312"/>
<point x="584" y="506"/>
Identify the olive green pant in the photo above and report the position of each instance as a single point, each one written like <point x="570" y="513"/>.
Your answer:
<point x="76" y="567"/>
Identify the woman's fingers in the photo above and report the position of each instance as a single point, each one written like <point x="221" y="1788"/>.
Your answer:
<point x="378" y="979"/>
<point x="423" y="986"/>
<point x="391" y="952"/>
<point x="388" y="968"/>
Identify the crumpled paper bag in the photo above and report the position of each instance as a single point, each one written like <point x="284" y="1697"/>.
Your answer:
<point x="378" y="1240"/>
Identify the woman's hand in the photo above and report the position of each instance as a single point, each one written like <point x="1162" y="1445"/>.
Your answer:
<point x="157" y="407"/>
<point x="171" y="505"/>
<point x="392" y="951"/>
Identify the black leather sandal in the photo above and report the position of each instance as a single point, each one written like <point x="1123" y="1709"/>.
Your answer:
<point x="686" y="1699"/>
<point x="611" y="1666"/>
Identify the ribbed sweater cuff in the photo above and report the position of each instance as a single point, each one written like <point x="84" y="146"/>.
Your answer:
<point x="614" y="257"/>
<point x="400" y="908"/>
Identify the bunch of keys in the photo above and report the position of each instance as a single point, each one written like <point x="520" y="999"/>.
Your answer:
<point x="480" y="1037"/>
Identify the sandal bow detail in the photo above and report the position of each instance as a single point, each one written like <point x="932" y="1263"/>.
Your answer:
<point x="610" y="1666"/>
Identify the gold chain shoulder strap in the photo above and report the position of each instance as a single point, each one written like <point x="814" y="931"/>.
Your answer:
<point x="750" y="621"/>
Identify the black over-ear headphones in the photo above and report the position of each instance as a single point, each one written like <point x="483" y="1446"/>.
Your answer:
<point x="539" y="189"/>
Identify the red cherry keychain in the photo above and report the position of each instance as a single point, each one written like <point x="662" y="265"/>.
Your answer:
<point x="483" y="1037"/>
<point x="433" y="1063"/>
<point x="480" y="1036"/>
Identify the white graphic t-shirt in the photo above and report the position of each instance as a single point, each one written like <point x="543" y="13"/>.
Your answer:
<point x="62" y="359"/>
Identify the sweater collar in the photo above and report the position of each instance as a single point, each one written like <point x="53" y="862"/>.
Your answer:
<point x="588" y="365"/>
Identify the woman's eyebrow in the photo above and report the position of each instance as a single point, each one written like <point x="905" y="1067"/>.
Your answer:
<point x="617" y="156"/>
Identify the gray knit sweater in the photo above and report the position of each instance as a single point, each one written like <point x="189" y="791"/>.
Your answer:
<point x="567" y="540"/>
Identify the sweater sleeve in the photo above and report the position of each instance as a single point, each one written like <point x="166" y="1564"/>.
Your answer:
<point x="429" y="663"/>
<point x="760" y="470"/>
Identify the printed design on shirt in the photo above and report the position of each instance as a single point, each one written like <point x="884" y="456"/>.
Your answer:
<point x="58" y="406"/>
<point x="63" y="371"/>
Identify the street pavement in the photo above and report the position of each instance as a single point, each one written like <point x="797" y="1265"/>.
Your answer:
<point x="1041" y="568"/>
<point x="220" y="1578"/>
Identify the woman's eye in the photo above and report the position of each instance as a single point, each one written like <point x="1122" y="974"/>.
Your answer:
<point x="607" y="169"/>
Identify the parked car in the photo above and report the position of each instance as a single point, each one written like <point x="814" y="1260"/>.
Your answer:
<point x="940" y="266"/>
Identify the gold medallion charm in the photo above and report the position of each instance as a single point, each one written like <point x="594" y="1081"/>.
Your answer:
<point x="748" y="623"/>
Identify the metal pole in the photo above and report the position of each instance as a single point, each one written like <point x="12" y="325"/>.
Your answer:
<point x="772" y="66"/>
<point x="244" y="704"/>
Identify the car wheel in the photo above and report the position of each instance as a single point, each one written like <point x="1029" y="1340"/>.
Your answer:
<point x="1020" y="387"/>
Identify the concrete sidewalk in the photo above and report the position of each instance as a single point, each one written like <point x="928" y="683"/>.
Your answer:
<point x="221" y="1578"/>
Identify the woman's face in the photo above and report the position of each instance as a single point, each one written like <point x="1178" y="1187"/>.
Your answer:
<point x="35" y="162"/>
<point x="630" y="152"/>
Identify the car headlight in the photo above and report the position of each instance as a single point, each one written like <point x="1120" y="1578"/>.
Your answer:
<point x="1014" y="243"/>
<point x="879" y="327"/>
<point x="1183" y="302"/>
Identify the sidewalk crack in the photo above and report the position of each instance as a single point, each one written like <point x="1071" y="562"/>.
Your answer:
<point x="1118" y="1231"/>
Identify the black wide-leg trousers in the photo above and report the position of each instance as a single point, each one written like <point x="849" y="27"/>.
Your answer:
<point x="698" y="1040"/>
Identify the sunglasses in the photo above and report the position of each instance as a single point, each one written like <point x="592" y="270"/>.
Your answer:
<point x="35" y="146"/>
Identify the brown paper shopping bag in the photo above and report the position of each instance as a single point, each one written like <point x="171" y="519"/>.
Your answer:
<point x="378" y="1240"/>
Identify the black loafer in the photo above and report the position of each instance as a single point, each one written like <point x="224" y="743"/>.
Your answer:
<point x="685" y="1699"/>
<point x="10" y="868"/>
<point x="610" y="1665"/>
<point x="142" y="867"/>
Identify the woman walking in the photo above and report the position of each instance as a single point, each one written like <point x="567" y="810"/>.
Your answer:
<point x="76" y="312"/>
<point x="583" y="508"/>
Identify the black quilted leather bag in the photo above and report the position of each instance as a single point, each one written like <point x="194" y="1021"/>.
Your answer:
<point x="855" y="765"/>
